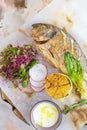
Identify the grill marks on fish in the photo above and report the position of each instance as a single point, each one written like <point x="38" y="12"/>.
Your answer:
<point x="52" y="43"/>
<point x="51" y="53"/>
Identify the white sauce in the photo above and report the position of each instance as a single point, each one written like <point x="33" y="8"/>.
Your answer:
<point x="45" y="114"/>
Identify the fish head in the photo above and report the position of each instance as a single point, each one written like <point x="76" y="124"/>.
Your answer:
<point x="43" y="32"/>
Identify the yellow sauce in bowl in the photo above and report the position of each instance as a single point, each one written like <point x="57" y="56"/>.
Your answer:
<point x="58" y="85"/>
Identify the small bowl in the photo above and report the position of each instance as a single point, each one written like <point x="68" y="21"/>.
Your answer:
<point x="58" y="85"/>
<point x="54" y="126"/>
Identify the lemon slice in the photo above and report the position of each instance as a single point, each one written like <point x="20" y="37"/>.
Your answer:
<point x="58" y="85"/>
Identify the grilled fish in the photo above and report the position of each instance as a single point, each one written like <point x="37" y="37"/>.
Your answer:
<point x="53" y="42"/>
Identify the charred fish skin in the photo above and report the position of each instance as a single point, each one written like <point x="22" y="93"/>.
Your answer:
<point x="44" y="32"/>
<point x="52" y="42"/>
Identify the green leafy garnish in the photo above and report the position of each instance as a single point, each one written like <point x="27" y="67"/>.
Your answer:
<point x="16" y="62"/>
<point x="25" y="81"/>
<point x="75" y="72"/>
<point x="32" y="64"/>
<point x="28" y="46"/>
<point x="75" y="105"/>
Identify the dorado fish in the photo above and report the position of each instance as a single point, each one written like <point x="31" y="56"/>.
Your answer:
<point x="52" y="42"/>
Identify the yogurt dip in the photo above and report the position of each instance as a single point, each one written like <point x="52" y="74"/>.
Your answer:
<point x="45" y="115"/>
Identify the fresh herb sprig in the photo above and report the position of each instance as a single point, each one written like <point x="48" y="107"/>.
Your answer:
<point x="75" y="105"/>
